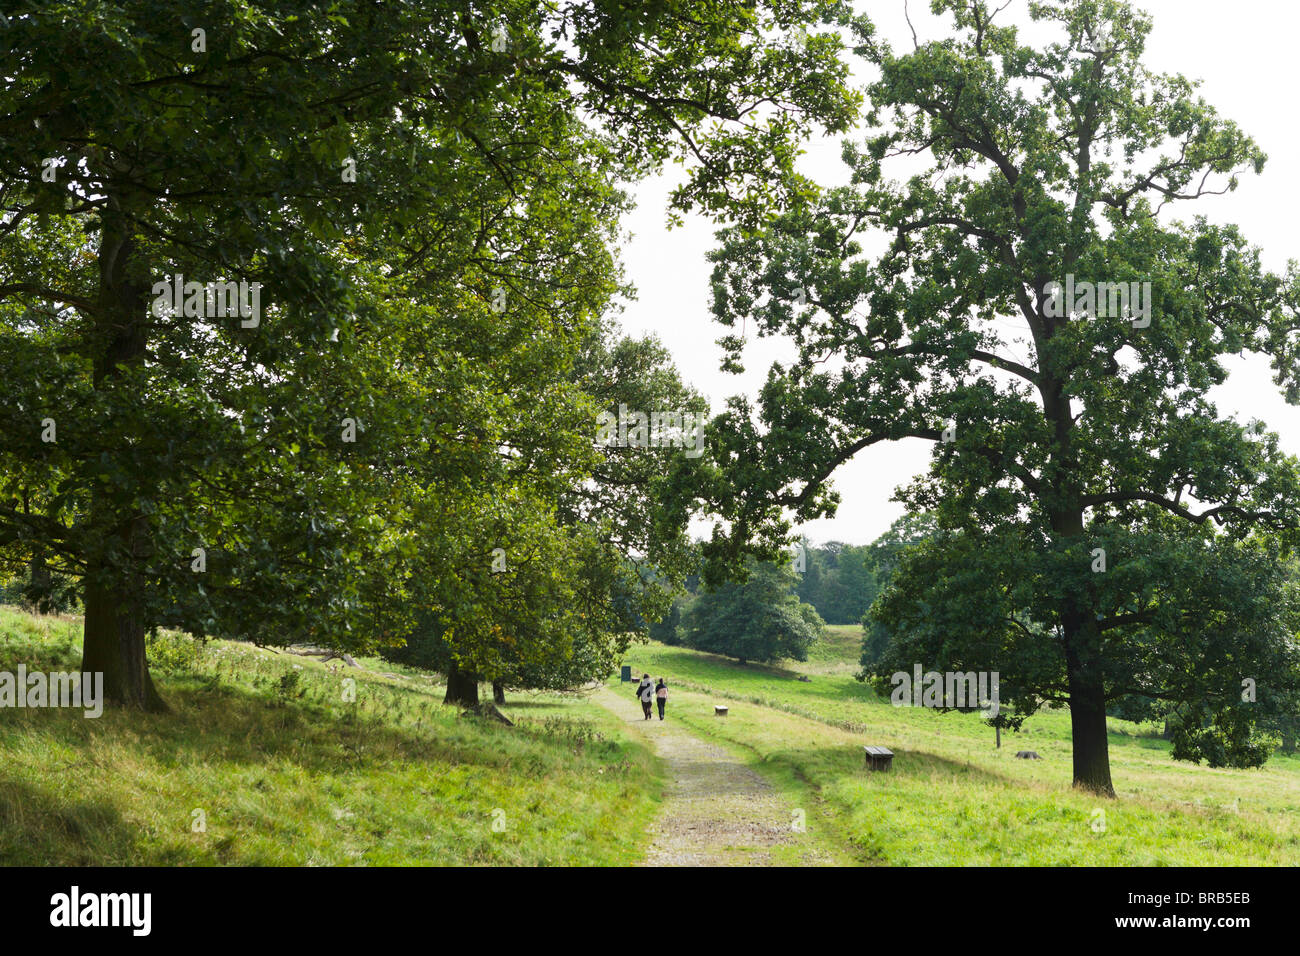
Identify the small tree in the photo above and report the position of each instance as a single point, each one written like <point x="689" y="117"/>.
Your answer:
<point x="758" y="619"/>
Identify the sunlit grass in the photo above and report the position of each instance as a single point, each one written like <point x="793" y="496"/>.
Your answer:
<point x="953" y="797"/>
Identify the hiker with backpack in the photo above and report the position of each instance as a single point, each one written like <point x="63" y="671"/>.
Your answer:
<point x="661" y="696"/>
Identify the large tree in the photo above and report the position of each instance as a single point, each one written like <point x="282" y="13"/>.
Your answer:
<point x="560" y="611"/>
<point x="1107" y="531"/>
<point x="423" y="192"/>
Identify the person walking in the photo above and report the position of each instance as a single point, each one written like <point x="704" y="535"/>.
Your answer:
<point x="661" y="696"/>
<point x="645" y="693"/>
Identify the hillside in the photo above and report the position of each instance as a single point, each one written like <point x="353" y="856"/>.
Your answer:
<point x="286" y="773"/>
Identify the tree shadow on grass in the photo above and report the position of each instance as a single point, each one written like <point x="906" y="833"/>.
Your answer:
<point x="749" y="667"/>
<point x="233" y="725"/>
<point x="39" y="827"/>
<point x="1123" y="741"/>
<point x="524" y="703"/>
<point x="213" y="737"/>
<point x="819" y="766"/>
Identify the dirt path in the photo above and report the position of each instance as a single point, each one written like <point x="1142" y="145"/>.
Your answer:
<point x="716" y="811"/>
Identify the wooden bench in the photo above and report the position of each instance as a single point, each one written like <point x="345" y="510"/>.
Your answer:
<point x="878" y="758"/>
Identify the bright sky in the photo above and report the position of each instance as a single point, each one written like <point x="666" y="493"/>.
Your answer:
<point x="1242" y="51"/>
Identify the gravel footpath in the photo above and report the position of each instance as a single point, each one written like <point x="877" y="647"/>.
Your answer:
<point x="716" y="811"/>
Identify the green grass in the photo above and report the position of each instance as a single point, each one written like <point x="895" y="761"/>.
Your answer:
<point x="953" y="798"/>
<point x="287" y="773"/>
<point x="837" y="652"/>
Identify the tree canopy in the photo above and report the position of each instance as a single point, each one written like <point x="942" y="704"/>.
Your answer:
<point x="424" y="199"/>
<point x="1105" y="529"/>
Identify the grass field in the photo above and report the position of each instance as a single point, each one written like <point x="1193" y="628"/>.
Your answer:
<point x="953" y="798"/>
<point x="285" y="772"/>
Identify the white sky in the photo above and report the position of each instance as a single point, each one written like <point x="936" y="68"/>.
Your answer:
<point x="1242" y="51"/>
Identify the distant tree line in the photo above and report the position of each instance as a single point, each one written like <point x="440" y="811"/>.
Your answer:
<point x="842" y="580"/>
<point x="780" y="608"/>
<point x="839" y="580"/>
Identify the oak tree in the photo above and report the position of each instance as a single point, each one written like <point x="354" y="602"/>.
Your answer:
<point x="1106" y="529"/>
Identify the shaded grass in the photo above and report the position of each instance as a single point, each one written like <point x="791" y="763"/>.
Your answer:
<point x="286" y="772"/>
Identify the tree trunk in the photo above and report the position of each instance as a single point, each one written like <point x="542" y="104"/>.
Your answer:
<point x="113" y="645"/>
<point x="1288" y="743"/>
<point x="1088" y="736"/>
<point x="462" y="687"/>
<point x="1089" y="740"/>
<point x="114" y="628"/>
<point x="498" y="692"/>
<point x="1168" y="732"/>
<point x="1081" y="633"/>
<point x="39" y="585"/>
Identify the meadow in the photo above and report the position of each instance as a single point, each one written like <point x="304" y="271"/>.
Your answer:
<point x="953" y="797"/>
<point x="263" y="762"/>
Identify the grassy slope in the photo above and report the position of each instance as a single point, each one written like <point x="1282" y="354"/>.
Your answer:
<point x="955" y="799"/>
<point x="293" y="775"/>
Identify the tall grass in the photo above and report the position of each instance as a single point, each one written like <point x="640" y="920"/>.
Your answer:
<point x="263" y="761"/>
